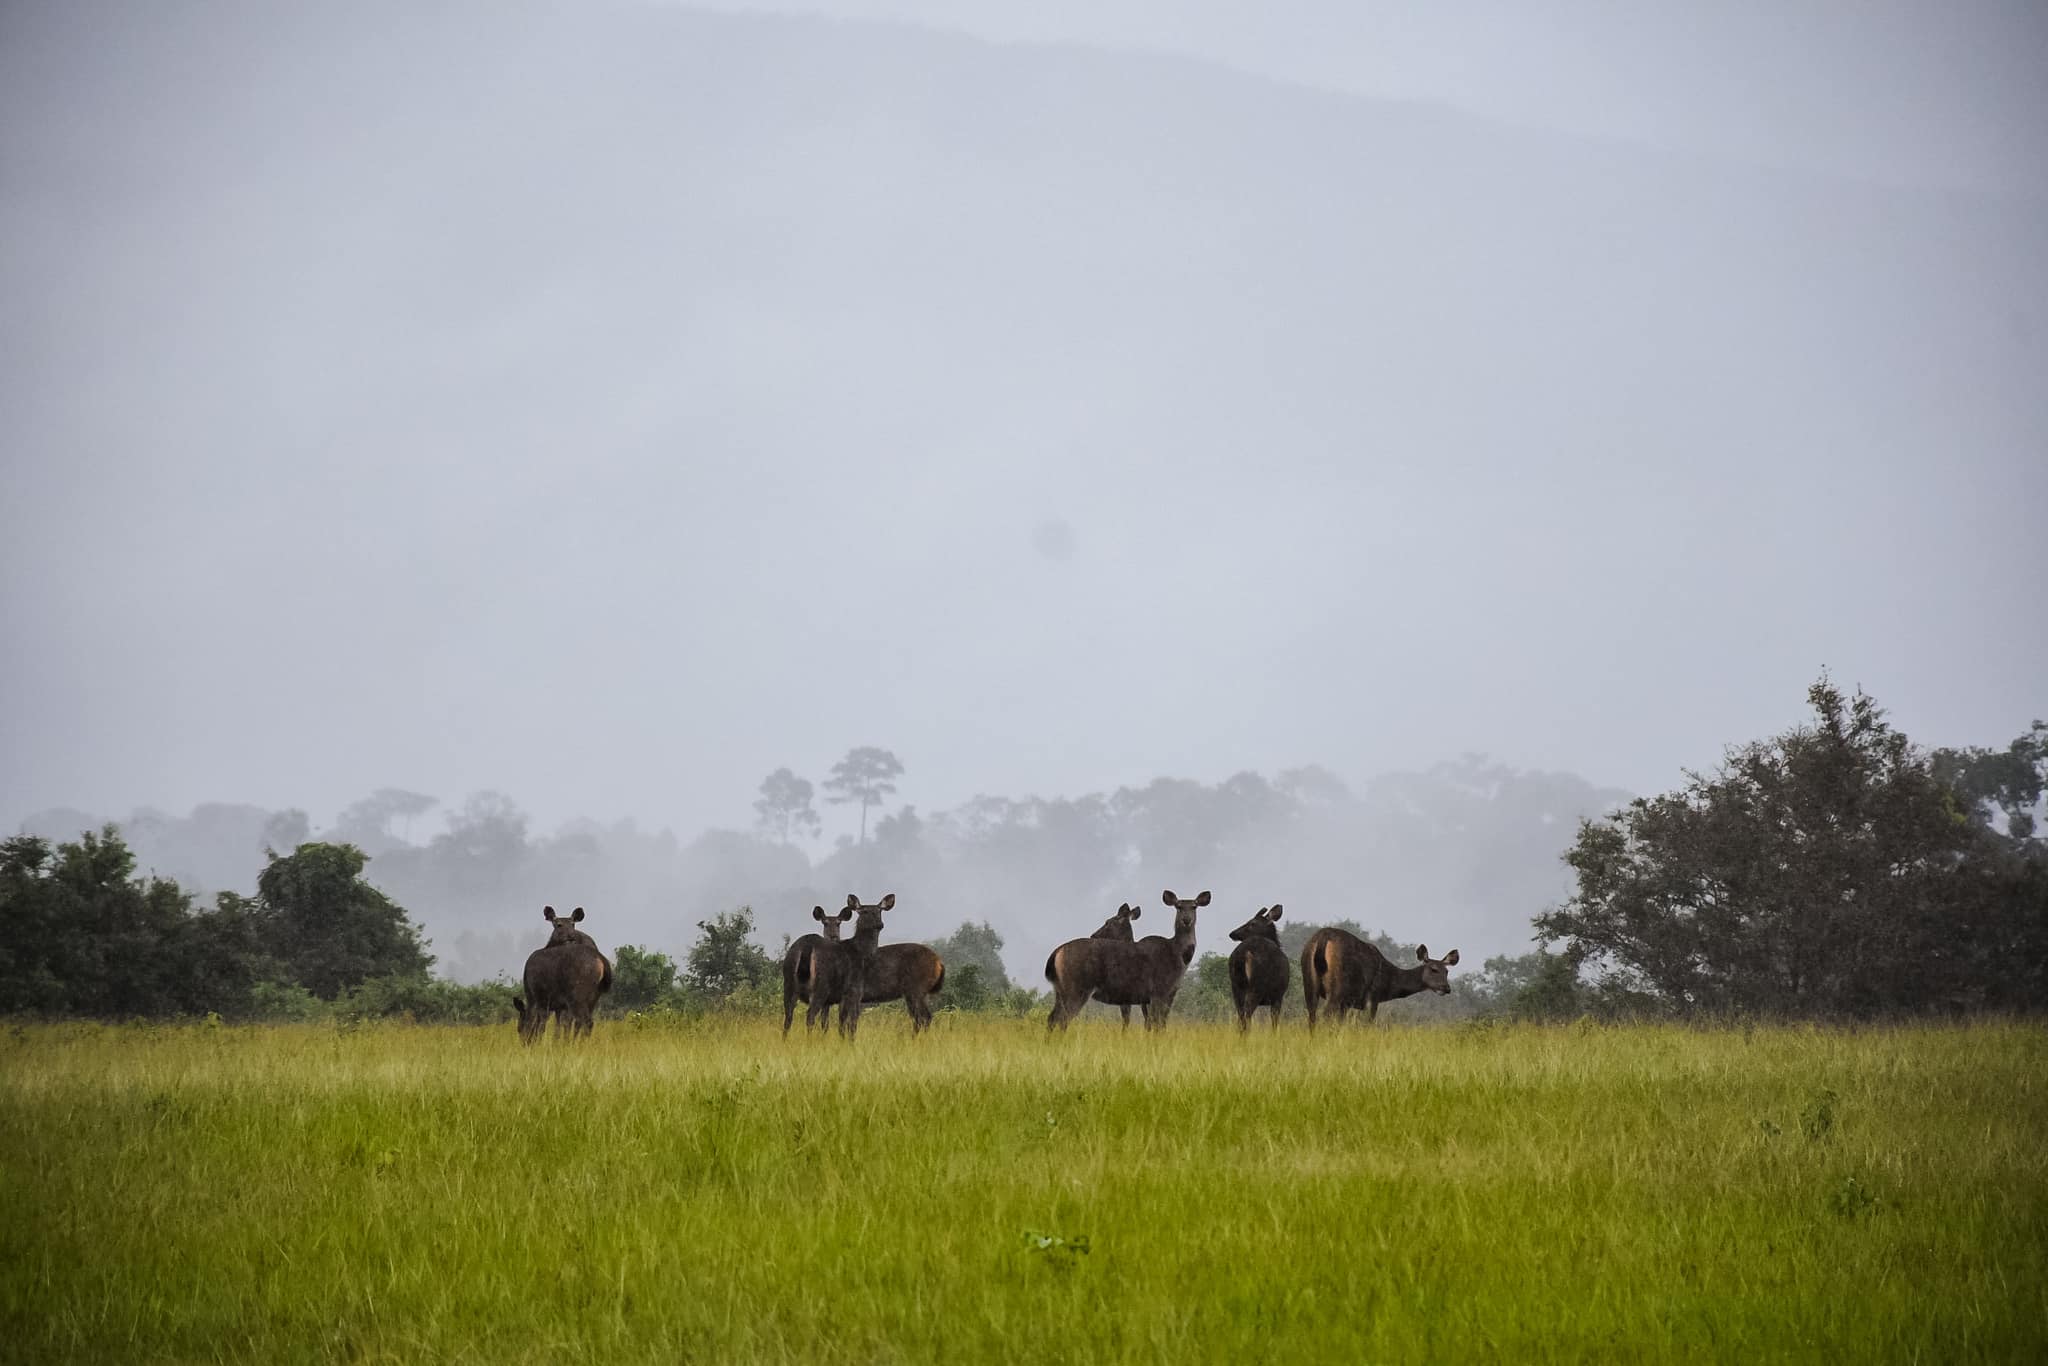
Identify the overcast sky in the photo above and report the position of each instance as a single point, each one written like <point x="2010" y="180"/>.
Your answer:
<point x="608" y="406"/>
<point x="1894" y="90"/>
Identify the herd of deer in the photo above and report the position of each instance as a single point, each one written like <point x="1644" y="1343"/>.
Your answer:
<point x="1339" y="971"/>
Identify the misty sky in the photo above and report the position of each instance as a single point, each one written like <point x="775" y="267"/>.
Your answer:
<point x="610" y="405"/>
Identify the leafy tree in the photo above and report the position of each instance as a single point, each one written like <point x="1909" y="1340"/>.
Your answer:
<point x="330" y="928"/>
<point x="866" y="775"/>
<point x="974" y="946"/>
<point x="1828" y="870"/>
<point x="785" y="806"/>
<point x="724" y="959"/>
<point x="641" y="977"/>
<point x="92" y="939"/>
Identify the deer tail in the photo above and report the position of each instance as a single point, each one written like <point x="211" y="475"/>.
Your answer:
<point x="604" y="983"/>
<point x="1050" y="975"/>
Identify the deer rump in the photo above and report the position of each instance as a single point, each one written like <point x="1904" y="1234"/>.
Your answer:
<point x="899" y="971"/>
<point x="564" y="979"/>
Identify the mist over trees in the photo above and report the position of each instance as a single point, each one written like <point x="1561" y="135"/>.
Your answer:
<point x="1834" y="870"/>
<point x="1466" y="850"/>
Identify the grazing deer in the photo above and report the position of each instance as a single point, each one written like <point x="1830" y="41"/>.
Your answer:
<point x="837" y="971"/>
<point x="795" y="962"/>
<point x="1342" y="970"/>
<point x="1118" y="927"/>
<point x="1258" y="968"/>
<point x="1147" y="973"/>
<point x="563" y="980"/>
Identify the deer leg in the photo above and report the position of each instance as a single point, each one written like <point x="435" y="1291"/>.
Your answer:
<point x="1127" y="1015"/>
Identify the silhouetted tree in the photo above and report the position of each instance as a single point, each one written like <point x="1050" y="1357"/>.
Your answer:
<point x="866" y="775"/>
<point x="1827" y="870"/>
<point x="785" y="806"/>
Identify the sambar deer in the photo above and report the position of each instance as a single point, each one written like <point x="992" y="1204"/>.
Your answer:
<point x="1342" y="971"/>
<point x="1147" y="973"/>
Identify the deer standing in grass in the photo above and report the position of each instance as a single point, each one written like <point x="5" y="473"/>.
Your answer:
<point x="1147" y="973"/>
<point x="795" y="962"/>
<point x="1342" y="971"/>
<point x="837" y="971"/>
<point x="1258" y="968"/>
<point x="563" y="980"/>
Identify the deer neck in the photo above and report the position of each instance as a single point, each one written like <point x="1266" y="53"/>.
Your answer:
<point x="1403" y="981"/>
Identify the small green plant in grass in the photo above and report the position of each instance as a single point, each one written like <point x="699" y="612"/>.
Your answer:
<point x="1817" y="1120"/>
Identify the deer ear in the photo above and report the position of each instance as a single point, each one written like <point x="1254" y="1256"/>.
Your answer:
<point x="1274" y="914"/>
<point x="1202" y="900"/>
<point x="1170" y="898"/>
<point x="577" y="915"/>
<point x="852" y="902"/>
<point x="1422" y="952"/>
<point x="889" y="902"/>
<point x="817" y="912"/>
<point x="1135" y="912"/>
<point x="1451" y="958"/>
<point x="547" y="913"/>
<point x="845" y="915"/>
<point x="1124" y="910"/>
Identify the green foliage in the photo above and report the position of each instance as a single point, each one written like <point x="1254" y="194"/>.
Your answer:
<point x="1821" y="872"/>
<point x="301" y="1193"/>
<point x="640" y="978"/>
<point x="967" y="987"/>
<point x="724" y="960"/>
<point x="329" y="928"/>
<point x="975" y="946"/>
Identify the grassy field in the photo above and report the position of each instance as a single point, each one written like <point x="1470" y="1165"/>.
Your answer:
<point x="717" y="1193"/>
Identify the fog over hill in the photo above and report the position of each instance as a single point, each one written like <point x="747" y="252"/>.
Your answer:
<point x="612" y="405"/>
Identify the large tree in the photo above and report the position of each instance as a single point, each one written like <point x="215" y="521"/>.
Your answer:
<point x="1828" y="870"/>
<point x="784" y="807"/>
<point x="329" y="927"/>
<point x="866" y="775"/>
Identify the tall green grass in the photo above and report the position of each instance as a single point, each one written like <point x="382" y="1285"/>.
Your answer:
<point x="717" y="1193"/>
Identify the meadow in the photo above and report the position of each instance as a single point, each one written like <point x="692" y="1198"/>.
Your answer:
<point x="714" y="1192"/>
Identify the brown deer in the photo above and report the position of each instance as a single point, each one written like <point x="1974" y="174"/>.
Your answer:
<point x="837" y="971"/>
<point x="563" y="980"/>
<point x="795" y="962"/>
<point x="1118" y="927"/>
<point x="1258" y="968"/>
<point x="910" y="973"/>
<point x="1343" y="971"/>
<point x="1147" y="973"/>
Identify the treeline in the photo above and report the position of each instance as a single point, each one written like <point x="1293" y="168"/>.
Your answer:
<point x="1465" y="850"/>
<point x="1831" y="871"/>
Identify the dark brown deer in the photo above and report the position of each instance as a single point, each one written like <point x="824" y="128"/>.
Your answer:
<point x="1258" y="968"/>
<point x="1346" y="973"/>
<point x="1118" y="927"/>
<point x="795" y="962"/>
<point x="563" y="980"/>
<point x="837" y="971"/>
<point x="1147" y="973"/>
<point x="911" y="973"/>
